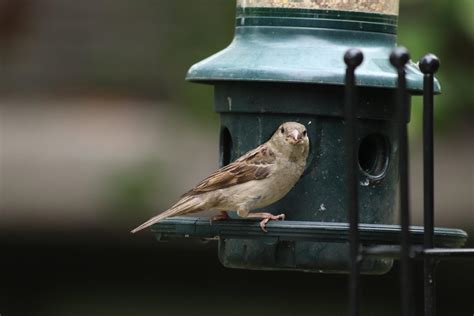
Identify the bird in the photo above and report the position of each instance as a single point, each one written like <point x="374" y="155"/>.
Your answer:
<point x="257" y="179"/>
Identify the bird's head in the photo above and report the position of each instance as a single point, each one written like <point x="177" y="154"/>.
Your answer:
<point x="291" y="137"/>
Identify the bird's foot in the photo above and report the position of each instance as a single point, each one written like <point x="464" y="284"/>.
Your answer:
<point x="266" y="217"/>
<point x="264" y="221"/>
<point x="221" y="217"/>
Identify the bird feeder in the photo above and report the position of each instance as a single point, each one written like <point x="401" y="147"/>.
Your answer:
<point x="286" y="64"/>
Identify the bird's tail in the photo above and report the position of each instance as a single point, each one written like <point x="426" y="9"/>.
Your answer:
<point x="188" y="204"/>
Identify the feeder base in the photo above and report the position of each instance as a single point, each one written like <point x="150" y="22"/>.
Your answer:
<point x="297" y="245"/>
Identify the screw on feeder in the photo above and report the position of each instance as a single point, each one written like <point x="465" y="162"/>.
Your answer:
<point x="429" y="64"/>
<point x="353" y="58"/>
<point x="399" y="58"/>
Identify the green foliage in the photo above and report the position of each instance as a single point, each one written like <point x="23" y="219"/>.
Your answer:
<point x="445" y="28"/>
<point x="196" y="31"/>
<point x="131" y="190"/>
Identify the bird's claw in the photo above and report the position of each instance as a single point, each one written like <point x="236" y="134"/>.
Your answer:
<point x="220" y="217"/>
<point x="269" y="218"/>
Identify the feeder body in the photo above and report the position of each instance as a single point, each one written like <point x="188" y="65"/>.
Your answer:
<point x="251" y="111"/>
<point x="286" y="64"/>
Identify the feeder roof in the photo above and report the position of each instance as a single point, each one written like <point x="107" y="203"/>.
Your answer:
<point x="305" y="55"/>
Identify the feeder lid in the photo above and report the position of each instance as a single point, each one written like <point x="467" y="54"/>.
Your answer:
<point x="262" y="55"/>
<point x="370" y="234"/>
<point x="299" y="42"/>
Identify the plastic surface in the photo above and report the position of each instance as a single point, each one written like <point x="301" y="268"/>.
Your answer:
<point x="307" y="46"/>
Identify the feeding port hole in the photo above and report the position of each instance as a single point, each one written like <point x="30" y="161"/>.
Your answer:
<point x="226" y="146"/>
<point x="373" y="156"/>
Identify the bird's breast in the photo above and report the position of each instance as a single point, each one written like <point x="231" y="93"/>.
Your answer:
<point x="279" y="183"/>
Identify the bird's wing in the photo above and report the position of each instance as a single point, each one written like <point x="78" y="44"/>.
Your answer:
<point x="257" y="164"/>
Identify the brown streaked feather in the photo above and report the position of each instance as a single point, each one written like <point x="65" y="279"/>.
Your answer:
<point x="186" y="205"/>
<point x="257" y="164"/>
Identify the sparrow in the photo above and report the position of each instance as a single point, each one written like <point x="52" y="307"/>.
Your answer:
<point x="259" y="178"/>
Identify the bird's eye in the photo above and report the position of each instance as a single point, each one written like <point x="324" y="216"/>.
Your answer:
<point x="282" y="130"/>
<point x="304" y="133"/>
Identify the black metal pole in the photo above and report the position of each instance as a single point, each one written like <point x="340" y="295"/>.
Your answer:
<point x="353" y="58"/>
<point x="399" y="58"/>
<point x="429" y="64"/>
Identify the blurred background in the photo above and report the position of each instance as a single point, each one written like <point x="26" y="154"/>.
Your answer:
<point x="97" y="130"/>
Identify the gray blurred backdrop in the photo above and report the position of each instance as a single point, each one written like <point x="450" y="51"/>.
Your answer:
<point x="99" y="130"/>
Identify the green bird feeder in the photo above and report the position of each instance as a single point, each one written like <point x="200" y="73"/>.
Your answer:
<point x="286" y="64"/>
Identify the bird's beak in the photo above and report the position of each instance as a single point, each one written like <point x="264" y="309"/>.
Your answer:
<point x="296" y="135"/>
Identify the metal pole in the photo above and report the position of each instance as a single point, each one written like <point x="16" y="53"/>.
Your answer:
<point x="429" y="64"/>
<point x="399" y="58"/>
<point x="353" y="58"/>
